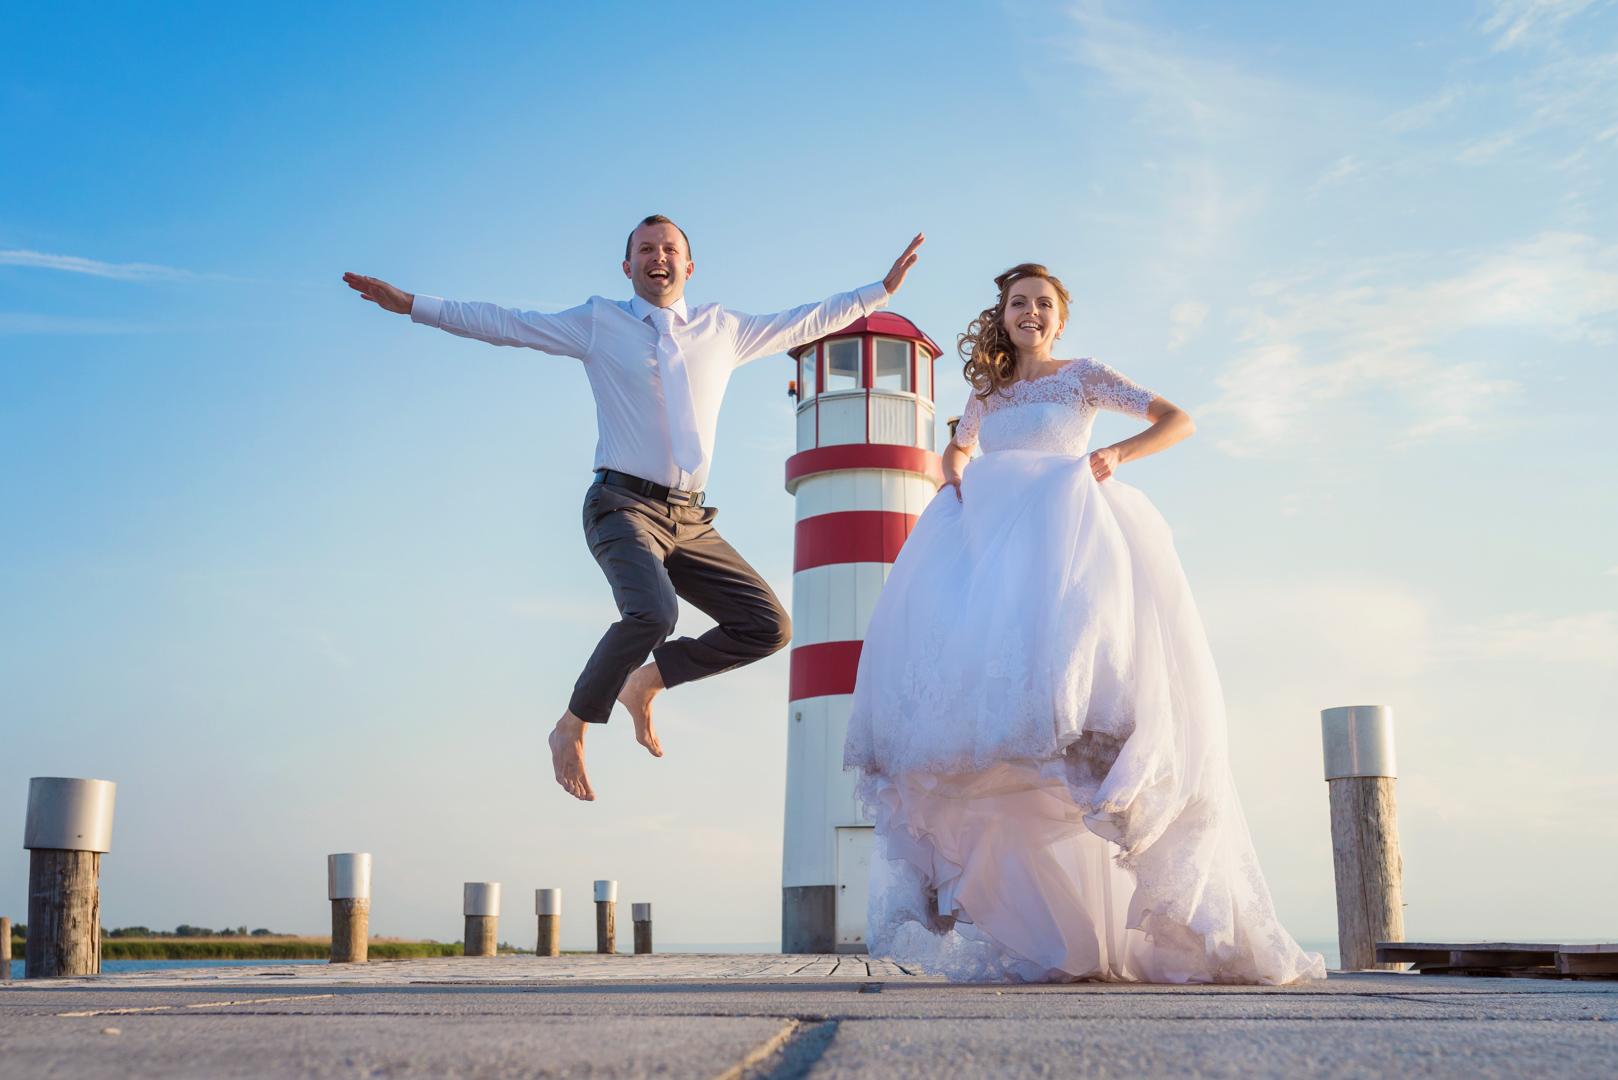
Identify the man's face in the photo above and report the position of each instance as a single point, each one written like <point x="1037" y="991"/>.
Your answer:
<point x="658" y="263"/>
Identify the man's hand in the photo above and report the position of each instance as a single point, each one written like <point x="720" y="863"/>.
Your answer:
<point x="902" y="265"/>
<point x="383" y="295"/>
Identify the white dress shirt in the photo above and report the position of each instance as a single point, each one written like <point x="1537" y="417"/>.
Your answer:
<point x="618" y="344"/>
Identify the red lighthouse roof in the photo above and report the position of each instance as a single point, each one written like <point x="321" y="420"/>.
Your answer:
<point x="885" y="323"/>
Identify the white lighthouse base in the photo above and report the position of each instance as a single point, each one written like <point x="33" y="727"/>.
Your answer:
<point x="831" y="918"/>
<point x="809" y="919"/>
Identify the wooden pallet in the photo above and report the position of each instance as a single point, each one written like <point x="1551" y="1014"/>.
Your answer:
<point x="1588" y="960"/>
<point x="1513" y="959"/>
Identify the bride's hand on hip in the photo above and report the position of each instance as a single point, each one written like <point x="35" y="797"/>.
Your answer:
<point x="1103" y="462"/>
<point x="952" y="482"/>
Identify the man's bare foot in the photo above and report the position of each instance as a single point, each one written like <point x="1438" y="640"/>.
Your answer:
<point x="639" y="690"/>
<point x="567" y="757"/>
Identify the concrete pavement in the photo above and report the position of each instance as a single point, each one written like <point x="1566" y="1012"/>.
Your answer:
<point x="766" y="1016"/>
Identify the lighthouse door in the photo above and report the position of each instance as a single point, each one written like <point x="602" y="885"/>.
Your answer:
<point x="854" y="844"/>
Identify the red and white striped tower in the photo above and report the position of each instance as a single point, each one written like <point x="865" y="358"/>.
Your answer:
<point x="864" y="470"/>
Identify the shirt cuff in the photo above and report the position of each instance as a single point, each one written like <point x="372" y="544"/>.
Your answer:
<point x="873" y="296"/>
<point x="426" y="309"/>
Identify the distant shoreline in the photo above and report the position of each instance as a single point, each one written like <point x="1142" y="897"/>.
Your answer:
<point x="276" y="948"/>
<point x="262" y="949"/>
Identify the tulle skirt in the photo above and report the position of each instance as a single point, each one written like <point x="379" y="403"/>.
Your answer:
<point x="1040" y="734"/>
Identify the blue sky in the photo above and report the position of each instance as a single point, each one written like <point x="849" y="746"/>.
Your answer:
<point x="305" y="578"/>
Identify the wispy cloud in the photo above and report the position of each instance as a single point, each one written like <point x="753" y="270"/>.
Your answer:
<point x="1341" y="169"/>
<point x="1212" y="127"/>
<point x="1376" y="628"/>
<point x="1387" y="628"/>
<point x="1514" y="22"/>
<point x="1486" y="149"/>
<point x="328" y="647"/>
<point x="1554" y="103"/>
<point x="75" y="264"/>
<point x="1426" y="113"/>
<point x="1314" y="350"/>
<point x="1590" y="638"/>
<point x="1185" y="319"/>
<point x="1369" y="339"/>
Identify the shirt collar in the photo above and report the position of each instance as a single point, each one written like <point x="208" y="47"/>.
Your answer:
<point x="642" y="308"/>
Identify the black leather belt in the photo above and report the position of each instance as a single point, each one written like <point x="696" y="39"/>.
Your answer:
<point x="673" y="496"/>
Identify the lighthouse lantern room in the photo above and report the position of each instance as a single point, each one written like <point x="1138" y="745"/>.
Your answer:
<point x="865" y="468"/>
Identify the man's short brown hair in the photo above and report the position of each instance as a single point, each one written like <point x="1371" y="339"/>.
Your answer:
<point x="656" y="219"/>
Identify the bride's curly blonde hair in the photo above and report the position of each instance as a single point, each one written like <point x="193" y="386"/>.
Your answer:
<point x="986" y="348"/>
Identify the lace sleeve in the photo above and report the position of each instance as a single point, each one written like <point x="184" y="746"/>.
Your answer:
<point x="966" y="431"/>
<point x="1107" y="389"/>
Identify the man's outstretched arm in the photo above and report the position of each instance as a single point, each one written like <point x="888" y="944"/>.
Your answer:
<point x="765" y="335"/>
<point x="566" y="333"/>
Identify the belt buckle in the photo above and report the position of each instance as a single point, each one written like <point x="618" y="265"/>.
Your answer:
<point x="685" y="498"/>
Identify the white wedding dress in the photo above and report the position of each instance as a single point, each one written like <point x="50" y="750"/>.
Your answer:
<point x="1040" y="731"/>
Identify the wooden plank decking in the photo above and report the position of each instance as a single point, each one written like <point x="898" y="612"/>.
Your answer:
<point x="569" y="968"/>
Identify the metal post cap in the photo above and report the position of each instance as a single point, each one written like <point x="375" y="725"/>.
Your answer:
<point x="480" y="898"/>
<point x="606" y="892"/>
<point x="1358" y="741"/>
<point x="348" y="876"/>
<point x="69" y="814"/>
<point x="641" y="912"/>
<point x="547" y="901"/>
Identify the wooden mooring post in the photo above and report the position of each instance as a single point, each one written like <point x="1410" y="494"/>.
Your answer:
<point x="643" y="927"/>
<point x="480" y="901"/>
<point x="548" y="906"/>
<point x="606" y="916"/>
<point x="1360" y="773"/>
<point x="68" y="829"/>
<point x="348" y="886"/>
<point x="5" y="943"/>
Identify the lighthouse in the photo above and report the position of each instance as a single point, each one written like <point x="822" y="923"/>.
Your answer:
<point x="865" y="468"/>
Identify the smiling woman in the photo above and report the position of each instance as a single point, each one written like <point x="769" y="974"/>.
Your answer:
<point x="988" y="346"/>
<point x="1036" y="718"/>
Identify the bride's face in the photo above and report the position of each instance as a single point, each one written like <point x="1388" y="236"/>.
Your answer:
<point x="1033" y="315"/>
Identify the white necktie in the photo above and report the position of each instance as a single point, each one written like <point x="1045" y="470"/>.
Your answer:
<point x="682" y="412"/>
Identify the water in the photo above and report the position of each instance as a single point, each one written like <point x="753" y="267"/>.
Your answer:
<point x="1327" y="947"/>
<point x="727" y="947"/>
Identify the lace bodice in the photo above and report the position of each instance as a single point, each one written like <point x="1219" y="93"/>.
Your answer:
<point x="1054" y="413"/>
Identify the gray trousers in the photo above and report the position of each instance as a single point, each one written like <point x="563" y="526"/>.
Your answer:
<point x="653" y="552"/>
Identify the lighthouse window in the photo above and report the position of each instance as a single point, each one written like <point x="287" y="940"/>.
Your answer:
<point x="924" y="373"/>
<point x="843" y="364"/>
<point x="893" y="365"/>
<point x="806" y="374"/>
